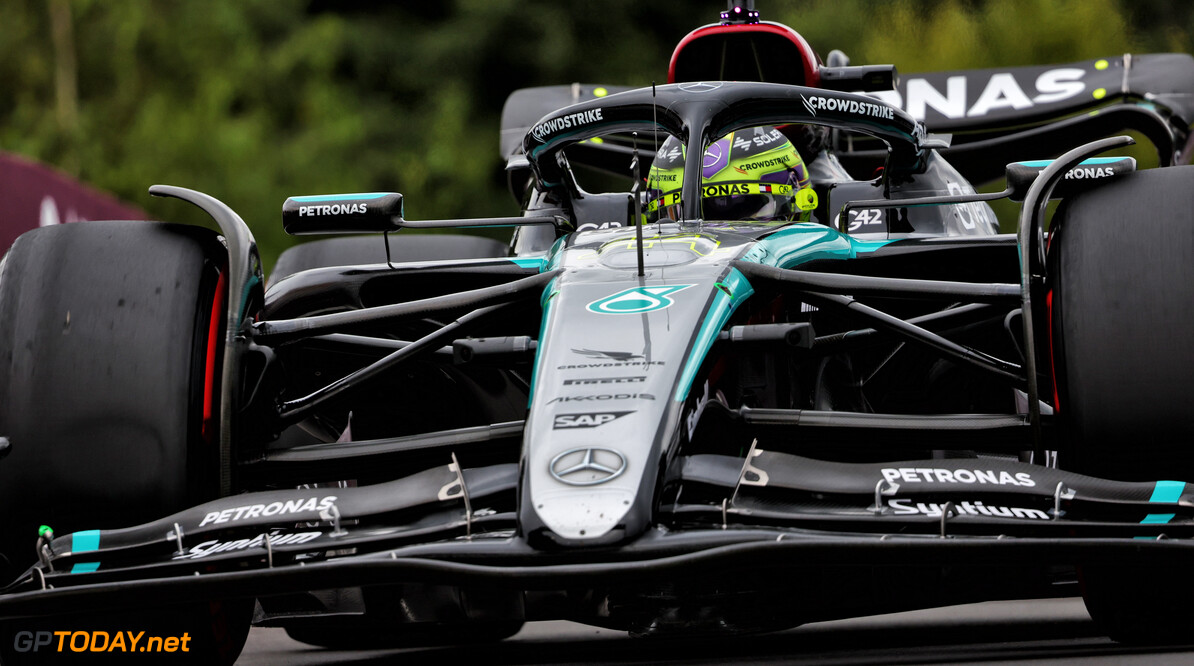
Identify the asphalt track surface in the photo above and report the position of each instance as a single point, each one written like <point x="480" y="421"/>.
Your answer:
<point x="1003" y="632"/>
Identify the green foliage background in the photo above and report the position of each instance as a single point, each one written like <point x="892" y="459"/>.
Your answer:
<point x="255" y="100"/>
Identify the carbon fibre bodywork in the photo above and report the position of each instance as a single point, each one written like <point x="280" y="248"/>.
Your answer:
<point x="680" y="426"/>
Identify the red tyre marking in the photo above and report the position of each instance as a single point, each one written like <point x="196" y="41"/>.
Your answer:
<point x="213" y="349"/>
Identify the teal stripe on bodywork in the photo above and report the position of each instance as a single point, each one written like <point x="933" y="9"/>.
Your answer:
<point x="715" y="319"/>
<point x="530" y="262"/>
<point x="545" y="302"/>
<point x="244" y="298"/>
<point x="1093" y="160"/>
<point x="550" y="261"/>
<point x="1167" y="491"/>
<point x="788" y="247"/>
<point x="555" y="254"/>
<point x="808" y="241"/>
<point x="339" y="197"/>
<point x="84" y="542"/>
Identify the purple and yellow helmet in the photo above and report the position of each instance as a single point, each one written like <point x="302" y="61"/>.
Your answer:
<point x="750" y="174"/>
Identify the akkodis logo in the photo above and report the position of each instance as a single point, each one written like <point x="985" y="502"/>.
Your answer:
<point x="636" y="300"/>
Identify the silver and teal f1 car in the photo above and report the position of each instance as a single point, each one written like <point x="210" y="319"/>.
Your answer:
<point x="651" y="423"/>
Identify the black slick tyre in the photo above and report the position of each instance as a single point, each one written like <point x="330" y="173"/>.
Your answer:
<point x="1121" y="271"/>
<point x="110" y="346"/>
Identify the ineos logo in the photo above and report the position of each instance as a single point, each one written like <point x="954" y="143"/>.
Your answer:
<point x="587" y="466"/>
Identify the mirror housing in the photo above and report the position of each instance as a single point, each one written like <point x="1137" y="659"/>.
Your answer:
<point x="1089" y="173"/>
<point x="859" y="78"/>
<point x="370" y="212"/>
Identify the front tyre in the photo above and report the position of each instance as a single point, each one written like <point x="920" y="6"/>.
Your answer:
<point x="1121" y="294"/>
<point x="1121" y="269"/>
<point x="111" y="339"/>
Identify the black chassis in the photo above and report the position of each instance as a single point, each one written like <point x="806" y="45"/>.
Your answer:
<point x="758" y="485"/>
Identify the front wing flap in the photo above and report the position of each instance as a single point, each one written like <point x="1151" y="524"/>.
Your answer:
<point x="273" y="541"/>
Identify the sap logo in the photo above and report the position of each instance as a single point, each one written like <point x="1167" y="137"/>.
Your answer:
<point x="1081" y="173"/>
<point x="1001" y="91"/>
<point x="590" y="420"/>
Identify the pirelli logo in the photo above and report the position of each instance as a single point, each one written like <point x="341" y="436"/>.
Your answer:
<point x="604" y="380"/>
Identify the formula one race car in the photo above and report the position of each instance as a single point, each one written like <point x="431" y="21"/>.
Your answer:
<point x="785" y="369"/>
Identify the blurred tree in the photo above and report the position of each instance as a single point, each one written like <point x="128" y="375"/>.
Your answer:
<point x="255" y="100"/>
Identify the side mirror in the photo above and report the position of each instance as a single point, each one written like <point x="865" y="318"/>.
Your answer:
<point x="371" y="212"/>
<point x="859" y="78"/>
<point x="1089" y="173"/>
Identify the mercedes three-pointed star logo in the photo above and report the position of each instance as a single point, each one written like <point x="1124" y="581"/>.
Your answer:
<point x="601" y="465"/>
<point x="700" y="86"/>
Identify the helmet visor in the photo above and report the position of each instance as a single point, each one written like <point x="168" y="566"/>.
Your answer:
<point x="763" y="207"/>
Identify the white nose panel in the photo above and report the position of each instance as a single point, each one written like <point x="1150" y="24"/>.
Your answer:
<point x="583" y="513"/>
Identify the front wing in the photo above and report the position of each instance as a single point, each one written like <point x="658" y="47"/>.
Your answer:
<point x="774" y="512"/>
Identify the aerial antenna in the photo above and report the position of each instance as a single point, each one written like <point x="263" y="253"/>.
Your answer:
<point x="655" y="120"/>
<point x="633" y="207"/>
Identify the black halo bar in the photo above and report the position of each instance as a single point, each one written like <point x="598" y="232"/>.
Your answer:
<point x="295" y="410"/>
<point x="918" y="335"/>
<point x="864" y="285"/>
<point x="918" y="201"/>
<point x="287" y="330"/>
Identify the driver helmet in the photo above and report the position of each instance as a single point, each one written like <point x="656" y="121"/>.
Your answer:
<point x="749" y="174"/>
